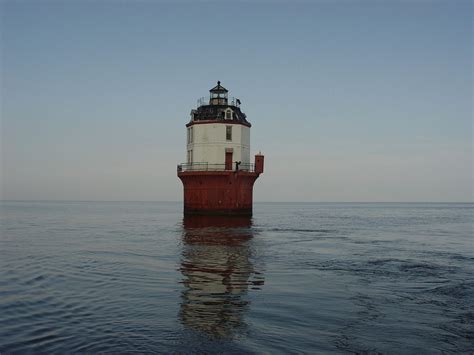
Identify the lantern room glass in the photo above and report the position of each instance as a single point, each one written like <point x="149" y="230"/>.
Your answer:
<point x="219" y="98"/>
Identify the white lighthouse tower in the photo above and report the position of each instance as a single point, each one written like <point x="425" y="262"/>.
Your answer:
<point x="218" y="135"/>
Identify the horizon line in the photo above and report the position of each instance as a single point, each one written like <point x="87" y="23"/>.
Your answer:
<point x="174" y="201"/>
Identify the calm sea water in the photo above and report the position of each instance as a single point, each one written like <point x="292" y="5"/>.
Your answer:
<point x="296" y="278"/>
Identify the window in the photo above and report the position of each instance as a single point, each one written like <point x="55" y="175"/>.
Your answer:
<point x="190" y="135"/>
<point x="190" y="156"/>
<point x="228" y="133"/>
<point x="228" y="115"/>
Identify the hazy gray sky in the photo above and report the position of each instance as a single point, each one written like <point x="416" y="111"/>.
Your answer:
<point x="349" y="100"/>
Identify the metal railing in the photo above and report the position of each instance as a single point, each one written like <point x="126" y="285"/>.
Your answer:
<point x="236" y="166"/>
<point x="231" y="101"/>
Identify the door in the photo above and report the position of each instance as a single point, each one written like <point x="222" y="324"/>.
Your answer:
<point x="228" y="160"/>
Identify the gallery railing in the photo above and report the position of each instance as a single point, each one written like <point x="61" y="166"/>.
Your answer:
<point x="231" y="101"/>
<point x="216" y="167"/>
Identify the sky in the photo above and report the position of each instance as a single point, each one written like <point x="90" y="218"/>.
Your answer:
<point x="361" y="101"/>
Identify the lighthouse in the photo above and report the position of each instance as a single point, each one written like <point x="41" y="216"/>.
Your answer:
<point x="218" y="176"/>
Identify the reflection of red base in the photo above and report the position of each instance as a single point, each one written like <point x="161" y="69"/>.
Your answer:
<point x="213" y="222"/>
<point x="218" y="192"/>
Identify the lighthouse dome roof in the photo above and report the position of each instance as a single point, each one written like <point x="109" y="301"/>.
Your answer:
<point x="220" y="113"/>
<point x="218" y="88"/>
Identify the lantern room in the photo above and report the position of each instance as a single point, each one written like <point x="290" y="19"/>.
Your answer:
<point x="218" y="95"/>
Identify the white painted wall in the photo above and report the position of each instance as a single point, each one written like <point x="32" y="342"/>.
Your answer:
<point x="209" y="143"/>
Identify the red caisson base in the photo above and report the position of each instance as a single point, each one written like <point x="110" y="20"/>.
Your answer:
<point x="218" y="192"/>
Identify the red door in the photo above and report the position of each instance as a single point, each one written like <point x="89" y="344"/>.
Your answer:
<point x="228" y="160"/>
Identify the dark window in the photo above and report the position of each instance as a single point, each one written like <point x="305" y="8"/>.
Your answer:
<point x="228" y="133"/>
<point x="190" y="135"/>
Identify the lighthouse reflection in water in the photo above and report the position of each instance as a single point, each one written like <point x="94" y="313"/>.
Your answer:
<point x="218" y="273"/>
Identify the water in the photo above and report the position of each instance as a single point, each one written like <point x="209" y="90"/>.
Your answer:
<point x="296" y="278"/>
